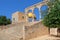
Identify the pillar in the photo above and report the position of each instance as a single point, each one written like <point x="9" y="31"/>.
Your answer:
<point x="40" y="12"/>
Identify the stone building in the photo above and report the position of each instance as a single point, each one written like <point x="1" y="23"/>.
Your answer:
<point x="18" y="17"/>
<point x="22" y="17"/>
<point x="31" y="27"/>
<point x="22" y="28"/>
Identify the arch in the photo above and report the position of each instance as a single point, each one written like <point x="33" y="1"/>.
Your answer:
<point x="37" y="14"/>
<point x="44" y="7"/>
<point x="44" y="11"/>
<point x="29" y="10"/>
<point x="30" y="19"/>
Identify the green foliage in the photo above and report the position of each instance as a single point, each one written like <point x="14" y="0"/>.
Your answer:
<point x="4" y="20"/>
<point x="52" y="19"/>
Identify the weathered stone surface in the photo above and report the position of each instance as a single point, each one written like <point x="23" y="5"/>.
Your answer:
<point x="20" y="30"/>
<point x="36" y="30"/>
<point x="13" y="33"/>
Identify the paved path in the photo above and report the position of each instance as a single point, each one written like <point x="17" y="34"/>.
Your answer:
<point x="46" y="37"/>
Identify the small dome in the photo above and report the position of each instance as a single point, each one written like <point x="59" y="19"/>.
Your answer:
<point x="31" y="15"/>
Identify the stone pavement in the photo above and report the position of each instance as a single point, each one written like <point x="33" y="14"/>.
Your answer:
<point x="46" y="37"/>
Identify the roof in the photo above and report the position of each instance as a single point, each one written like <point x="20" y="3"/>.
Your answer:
<point x="18" y="13"/>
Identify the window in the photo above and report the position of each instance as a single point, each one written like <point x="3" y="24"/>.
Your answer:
<point x="23" y="17"/>
<point x="13" y="19"/>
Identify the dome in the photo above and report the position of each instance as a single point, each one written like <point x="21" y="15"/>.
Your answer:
<point x="31" y="15"/>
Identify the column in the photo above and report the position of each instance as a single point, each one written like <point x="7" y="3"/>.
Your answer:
<point x="40" y="12"/>
<point x="33" y="12"/>
<point x="26" y="13"/>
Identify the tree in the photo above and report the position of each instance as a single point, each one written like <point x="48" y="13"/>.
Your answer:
<point x="52" y="19"/>
<point x="8" y="21"/>
<point x="4" y="20"/>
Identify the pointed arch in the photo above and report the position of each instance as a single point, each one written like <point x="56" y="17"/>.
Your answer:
<point x="37" y="14"/>
<point x="29" y="11"/>
<point x="44" y="11"/>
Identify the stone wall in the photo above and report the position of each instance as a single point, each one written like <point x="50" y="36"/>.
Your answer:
<point x="53" y="31"/>
<point x="19" y="31"/>
<point x="18" y="17"/>
<point x="13" y="32"/>
<point x="35" y="30"/>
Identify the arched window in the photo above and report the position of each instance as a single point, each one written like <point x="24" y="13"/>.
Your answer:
<point x="37" y="14"/>
<point x="22" y="17"/>
<point x="44" y="11"/>
<point x="13" y="19"/>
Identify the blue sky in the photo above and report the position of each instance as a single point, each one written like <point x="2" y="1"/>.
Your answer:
<point x="7" y="7"/>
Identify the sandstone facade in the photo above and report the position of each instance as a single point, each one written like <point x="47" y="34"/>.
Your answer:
<point x="18" y="17"/>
